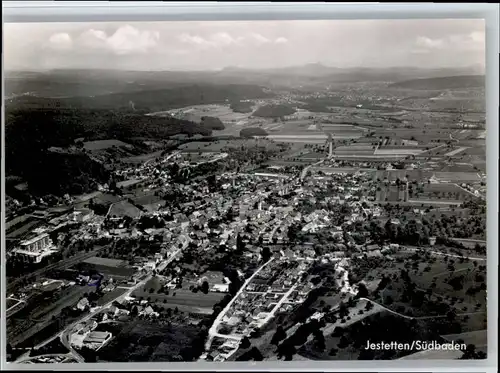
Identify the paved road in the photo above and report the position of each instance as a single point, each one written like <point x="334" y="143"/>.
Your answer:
<point x="29" y="358"/>
<point x="420" y="317"/>
<point x="304" y="172"/>
<point x="279" y="304"/>
<point x="213" y="329"/>
<point x="469" y="240"/>
<point x="65" y="334"/>
<point x="444" y="254"/>
<point x="471" y="193"/>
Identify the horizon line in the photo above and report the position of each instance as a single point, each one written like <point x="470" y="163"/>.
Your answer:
<point x="319" y="64"/>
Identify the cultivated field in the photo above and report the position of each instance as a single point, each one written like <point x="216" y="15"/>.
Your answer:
<point x="128" y="183"/>
<point x="478" y="338"/>
<point x="107" y="262"/>
<point x="138" y="159"/>
<point x="110" y="268"/>
<point x="104" y="144"/>
<point x="221" y="145"/>
<point x="400" y="151"/>
<point x="109" y="296"/>
<point x="458" y="177"/>
<point x="141" y="340"/>
<point x="180" y="297"/>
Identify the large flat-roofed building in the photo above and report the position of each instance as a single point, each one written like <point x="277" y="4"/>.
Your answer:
<point x="36" y="248"/>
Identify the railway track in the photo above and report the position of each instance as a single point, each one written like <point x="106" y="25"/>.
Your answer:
<point x="62" y="264"/>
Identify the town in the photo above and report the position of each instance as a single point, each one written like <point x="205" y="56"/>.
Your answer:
<point x="246" y="243"/>
<point x="296" y="213"/>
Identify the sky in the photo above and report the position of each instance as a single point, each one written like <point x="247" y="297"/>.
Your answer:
<point x="249" y="44"/>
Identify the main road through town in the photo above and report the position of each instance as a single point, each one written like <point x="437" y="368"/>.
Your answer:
<point x="213" y="330"/>
<point x="66" y="333"/>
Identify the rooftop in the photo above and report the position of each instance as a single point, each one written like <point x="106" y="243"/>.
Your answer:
<point x="97" y="337"/>
<point x="34" y="239"/>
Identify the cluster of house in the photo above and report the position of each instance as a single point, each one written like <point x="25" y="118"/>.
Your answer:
<point x="278" y="287"/>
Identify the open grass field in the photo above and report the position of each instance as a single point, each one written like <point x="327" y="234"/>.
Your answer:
<point x="124" y="208"/>
<point x="356" y="334"/>
<point x="181" y="298"/>
<point x="457" y="177"/>
<point x="397" y="151"/>
<point x="355" y="149"/>
<point x="299" y="124"/>
<point x="475" y="146"/>
<point x="439" y="192"/>
<point x="195" y="113"/>
<point x="393" y="175"/>
<point x="316" y="156"/>
<point x="466" y="272"/>
<point x="478" y="338"/>
<point x="106" y="198"/>
<point x="221" y="145"/>
<point x="138" y="159"/>
<point x="424" y="271"/>
<point x="109" y="296"/>
<point x="109" y="271"/>
<point x="154" y="283"/>
<point x="107" y="262"/>
<point x="147" y="199"/>
<point x="141" y="340"/>
<point x="418" y="134"/>
<point x="128" y="183"/>
<point x="459" y="167"/>
<point x="103" y="144"/>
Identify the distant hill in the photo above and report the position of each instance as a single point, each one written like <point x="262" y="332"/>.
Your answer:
<point x="448" y="82"/>
<point x="317" y="74"/>
<point x="144" y="99"/>
<point x="67" y="83"/>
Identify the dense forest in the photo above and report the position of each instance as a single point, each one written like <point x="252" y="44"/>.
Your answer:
<point x="273" y="111"/>
<point x="253" y="131"/>
<point x="149" y="100"/>
<point x="242" y="106"/>
<point x="212" y="123"/>
<point x="30" y="133"/>
<point x="33" y="124"/>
